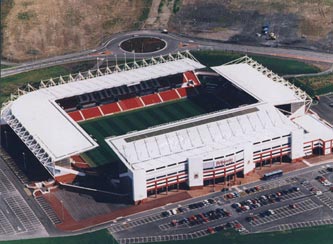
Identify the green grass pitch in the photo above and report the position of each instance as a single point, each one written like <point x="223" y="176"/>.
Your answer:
<point x="140" y="119"/>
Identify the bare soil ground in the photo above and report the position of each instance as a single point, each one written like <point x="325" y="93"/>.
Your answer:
<point x="41" y="28"/>
<point x="159" y="14"/>
<point x="297" y="23"/>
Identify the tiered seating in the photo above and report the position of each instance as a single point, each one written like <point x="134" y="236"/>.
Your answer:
<point x="182" y="92"/>
<point x="69" y="103"/>
<point x="130" y="103"/>
<point x="151" y="99"/>
<point x="121" y="98"/>
<point x="110" y="108"/>
<point x="90" y="113"/>
<point x="76" y="115"/>
<point x="191" y="76"/>
<point x="169" y="95"/>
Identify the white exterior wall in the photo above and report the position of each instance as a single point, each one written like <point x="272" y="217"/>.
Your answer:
<point x="195" y="172"/>
<point x="297" y="144"/>
<point x="139" y="184"/>
<point x="327" y="146"/>
<point x="195" y="166"/>
<point x="248" y="158"/>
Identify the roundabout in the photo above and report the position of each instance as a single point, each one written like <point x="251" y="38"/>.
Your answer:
<point x="143" y="44"/>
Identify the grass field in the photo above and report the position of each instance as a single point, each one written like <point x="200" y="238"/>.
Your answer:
<point x="10" y="84"/>
<point x="315" y="235"/>
<point x="4" y="66"/>
<point x="141" y="119"/>
<point x="101" y="236"/>
<point x="278" y="65"/>
<point x="316" y="85"/>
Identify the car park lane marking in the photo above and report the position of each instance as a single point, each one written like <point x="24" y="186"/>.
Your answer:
<point x="286" y="211"/>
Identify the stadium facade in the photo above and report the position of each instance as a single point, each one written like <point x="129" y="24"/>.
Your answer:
<point x="273" y="122"/>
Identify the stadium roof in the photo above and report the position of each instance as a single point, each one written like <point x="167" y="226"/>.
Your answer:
<point x="206" y="136"/>
<point x="129" y="77"/>
<point x="261" y="84"/>
<point x="47" y="129"/>
<point x="315" y="129"/>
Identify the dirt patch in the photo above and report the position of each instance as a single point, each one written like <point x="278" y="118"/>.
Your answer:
<point x="306" y="24"/>
<point x="36" y="29"/>
<point x="159" y="15"/>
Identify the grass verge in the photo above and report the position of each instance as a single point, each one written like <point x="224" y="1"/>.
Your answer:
<point x="316" y="85"/>
<point x="321" y="234"/>
<point x="280" y="66"/>
<point x="101" y="236"/>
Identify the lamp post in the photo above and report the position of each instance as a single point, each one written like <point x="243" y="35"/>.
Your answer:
<point x="24" y="162"/>
<point x="62" y="210"/>
<point x="6" y="138"/>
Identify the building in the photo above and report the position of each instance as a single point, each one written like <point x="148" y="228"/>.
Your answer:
<point x="267" y="121"/>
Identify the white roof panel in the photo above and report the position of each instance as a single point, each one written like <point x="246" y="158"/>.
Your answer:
<point x="203" y="136"/>
<point x="50" y="126"/>
<point x="314" y="127"/>
<point x="257" y="84"/>
<point x="57" y="133"/>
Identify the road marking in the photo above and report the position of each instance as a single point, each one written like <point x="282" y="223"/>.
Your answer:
<point x="307" y="163"/>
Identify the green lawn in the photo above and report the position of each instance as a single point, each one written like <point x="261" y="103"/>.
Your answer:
<point x="278" y="65"/>
<point x="315" y="235"/>
<point x="4" y="66"/>
<point x="101" y="236"/>
<point x="138" y="120"/>
<point x="10" y="84"/>
<point x="315" y="85"/>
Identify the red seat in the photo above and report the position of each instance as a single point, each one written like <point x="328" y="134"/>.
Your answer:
<point x="130" y="103"/>
<point x="76" y="116"/>
<point x="191" y="76"/>
<point x="110" y="108"/>
<point x="151" y="99"/>
<point x="182" y="92"/>
<point x="169" y="95"/>
<point x="90" y="113"/>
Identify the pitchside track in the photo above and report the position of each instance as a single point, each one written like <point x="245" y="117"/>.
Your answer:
<point x="140" y="119"/>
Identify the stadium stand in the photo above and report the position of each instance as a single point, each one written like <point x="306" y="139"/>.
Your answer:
<point x="182" y="92"/>
<point x="76" y="115"/>
<point x="69" y="104"/>
<point x="190" y="76"/>
<point x="130" y="103"/>
<point x="90" y="113"/>
<point x="119" y="98"/>
<point x="151" y="99"/>
<point x="168" y="95"/>
<point x="110" y="108"/>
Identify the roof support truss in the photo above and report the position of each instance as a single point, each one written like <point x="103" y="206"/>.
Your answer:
<point x="270" y="74"/>
<point x="101" y="72"/>
<point x="31" y="143"/>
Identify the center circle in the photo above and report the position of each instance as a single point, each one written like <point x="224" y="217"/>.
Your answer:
<point x="143" y="44"/>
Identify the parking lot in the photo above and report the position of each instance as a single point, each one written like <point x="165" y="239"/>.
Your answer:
<point x="295" y="200"/>
<point x="17" y="219"/>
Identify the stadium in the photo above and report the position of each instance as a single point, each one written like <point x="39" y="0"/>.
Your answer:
<point x="163" y="123"/>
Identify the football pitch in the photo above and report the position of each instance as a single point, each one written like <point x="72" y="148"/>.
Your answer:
<point x="140" y="119"/>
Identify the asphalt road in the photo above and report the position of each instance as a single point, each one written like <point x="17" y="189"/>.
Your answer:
<point x="323" y="108"/>
<point x="173" y="40"/>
